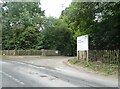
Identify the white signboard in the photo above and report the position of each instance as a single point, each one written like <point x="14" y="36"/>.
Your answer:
<point x="82" y="43"/>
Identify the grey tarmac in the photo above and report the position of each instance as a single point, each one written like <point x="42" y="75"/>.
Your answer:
<point x="20" y="74"/>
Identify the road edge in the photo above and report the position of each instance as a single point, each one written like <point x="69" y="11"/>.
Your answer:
<point x="86" y="70"/>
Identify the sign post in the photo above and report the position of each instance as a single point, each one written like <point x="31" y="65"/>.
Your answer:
<point x="82" y="44"/>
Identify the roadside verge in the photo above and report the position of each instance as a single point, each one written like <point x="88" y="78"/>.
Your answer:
<point x="85" y="68"/>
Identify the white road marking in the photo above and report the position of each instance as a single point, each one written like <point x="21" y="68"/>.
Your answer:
<point x="58" y="69"/>
<point x="39" y="67"/>
<point x="2" y="62"/>
<point x="28" y="64"/>
<point x="12" y="77"/>
<point x="61" y="69"/>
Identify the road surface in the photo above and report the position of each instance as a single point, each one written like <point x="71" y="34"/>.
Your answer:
<point x="19" y="74"/>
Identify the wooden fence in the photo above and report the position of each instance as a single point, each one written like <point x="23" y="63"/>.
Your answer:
<point x="31" y="52"/>
<point x="103" y="56"/>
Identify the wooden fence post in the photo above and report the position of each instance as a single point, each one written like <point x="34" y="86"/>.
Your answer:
<point x="87" y="57"/>
<point x="78" y="54"/>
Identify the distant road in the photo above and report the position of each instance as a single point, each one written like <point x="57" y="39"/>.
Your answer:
<point x="18" y="74"/>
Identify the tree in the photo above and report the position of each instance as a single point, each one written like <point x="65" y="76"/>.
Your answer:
<point x="80" y="17"/>
<point x="100" y="20"/>
<point x="105" y="34"/>
<point x="56" y="35"/>
<point x="21" y="23"/>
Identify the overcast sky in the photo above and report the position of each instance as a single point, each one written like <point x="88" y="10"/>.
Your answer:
<point x="54" y="7"/>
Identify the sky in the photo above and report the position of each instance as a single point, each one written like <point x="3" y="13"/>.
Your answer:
<point x="54" y="7"/>
<point x="0" y="1"/>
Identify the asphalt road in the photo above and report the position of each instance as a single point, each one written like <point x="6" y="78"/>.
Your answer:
<point x="18" y="74"/>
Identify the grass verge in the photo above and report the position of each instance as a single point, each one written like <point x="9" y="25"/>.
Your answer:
<point x="101" y="68"/>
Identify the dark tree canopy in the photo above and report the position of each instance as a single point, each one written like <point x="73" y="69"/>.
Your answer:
<point x="100" y="20"/>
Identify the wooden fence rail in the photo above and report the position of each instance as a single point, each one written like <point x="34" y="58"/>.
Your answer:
<point x="104" y="56"/>
<point x="31" y="52"/>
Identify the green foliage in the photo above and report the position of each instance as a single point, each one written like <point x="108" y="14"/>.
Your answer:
<point x="100" y="20"/>
<point x="56" y="35"/>
<point x="107" y="31"/>
<point x="21" y="22"/>
<point x="24" y="26"/>
<point x="79" y="17"/>
<point x="105" y="69"/>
